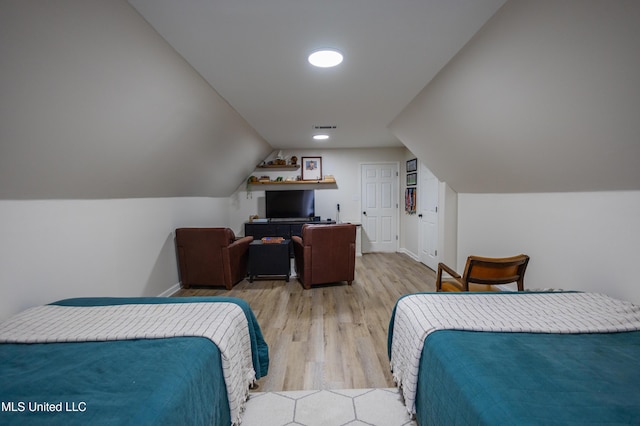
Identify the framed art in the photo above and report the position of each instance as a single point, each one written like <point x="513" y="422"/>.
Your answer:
<point x="311" y="168"/>
<point x="412" y="179"/>
<point x="412" y="165"/>
<point x="410" y="200"/>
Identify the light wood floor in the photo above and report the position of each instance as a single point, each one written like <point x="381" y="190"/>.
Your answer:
<point x="333" y="336"/>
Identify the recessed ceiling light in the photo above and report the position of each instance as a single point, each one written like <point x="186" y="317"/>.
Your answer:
<point x="321" y="137"/>
<point x="325" y="58"/>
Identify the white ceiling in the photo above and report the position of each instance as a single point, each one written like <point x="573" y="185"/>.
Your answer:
<point x="253" y="53"/>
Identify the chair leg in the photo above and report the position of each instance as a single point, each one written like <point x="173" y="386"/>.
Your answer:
<point x="349" y="282"/>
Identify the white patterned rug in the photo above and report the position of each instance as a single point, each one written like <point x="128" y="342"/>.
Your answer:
<point x="352" y="407"/>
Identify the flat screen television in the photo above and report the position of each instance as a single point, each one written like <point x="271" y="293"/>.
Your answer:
<point x="291" y="204"/>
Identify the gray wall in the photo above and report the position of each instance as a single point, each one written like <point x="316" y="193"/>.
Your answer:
<point x="95" y="104"/>
<point x="544" y="98"/>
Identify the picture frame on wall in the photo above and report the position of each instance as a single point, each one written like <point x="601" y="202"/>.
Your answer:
<point x="412" y="179"/>
<point x="410" y="202"/>
<point x="311" y="168"/>
<point x="412" y="165"/>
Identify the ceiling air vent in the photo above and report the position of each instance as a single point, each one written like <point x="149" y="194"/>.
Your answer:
<point x="324" y="127"/>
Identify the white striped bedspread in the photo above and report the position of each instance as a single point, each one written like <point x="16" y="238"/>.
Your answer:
<point x="225" y="324"/>
<point x="418" y="315"/>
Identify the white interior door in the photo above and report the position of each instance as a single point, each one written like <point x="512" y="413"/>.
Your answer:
<point x="428" y="215"/>
<point x="379" y="207"/>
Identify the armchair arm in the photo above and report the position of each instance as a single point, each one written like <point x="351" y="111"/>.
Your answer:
<point x="298" y="254"/>
<point x="242" y="243"/>
<point x="235" y="257"/>
<point x="450" y="271"/>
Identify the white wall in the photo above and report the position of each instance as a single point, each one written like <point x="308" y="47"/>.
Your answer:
<point x="447" y="224"/>
<point x="577" y="241"/>
<point x="55" y="249"/>
<point x="343" y="164"/>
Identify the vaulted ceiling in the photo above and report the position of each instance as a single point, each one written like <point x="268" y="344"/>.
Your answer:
<point x="254" y="53"/>
<point x="544" y="97"/>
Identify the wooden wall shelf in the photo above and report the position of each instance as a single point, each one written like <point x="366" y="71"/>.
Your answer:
<point x="295" y="182"/>
<point x="279" y="167"/>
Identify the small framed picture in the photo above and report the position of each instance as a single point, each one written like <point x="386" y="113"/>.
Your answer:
<point x="410" y="200"/>
<point x="412" y="179"/>
<point x="311" y="168"/>
<point x="412" y="165"/>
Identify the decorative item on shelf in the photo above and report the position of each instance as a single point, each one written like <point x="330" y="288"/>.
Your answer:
<point x="253" y="217"/>
<point x="329" y="178"/>
<point x="294" y="160"/>
<point x="265" y="179"/>
<point x="272" y="240"/>
<point x="290" y="179"/>
<point x="279" y="179"/>
<point x="311" y="168"/>
<point x="280" y="160"/>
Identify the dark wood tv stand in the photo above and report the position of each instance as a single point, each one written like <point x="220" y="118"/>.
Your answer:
<point x="279" y="228"/>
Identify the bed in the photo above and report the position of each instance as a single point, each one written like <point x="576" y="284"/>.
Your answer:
<point x="517" y="358"/>
<point x="143" y="361"/>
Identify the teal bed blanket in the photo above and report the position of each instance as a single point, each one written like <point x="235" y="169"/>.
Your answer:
<point x="168" y="381"/>
<point x="485" y="378"/>
<point x="523" y="378"/>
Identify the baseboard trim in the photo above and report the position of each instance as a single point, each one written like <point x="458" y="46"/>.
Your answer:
<point x="410" y="254"/>
<point x="170" y="291"/>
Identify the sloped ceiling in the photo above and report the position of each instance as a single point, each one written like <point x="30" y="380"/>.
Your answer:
<point x="101" y="102"/>
<point x="546" y="97"/>
<point x="95" y="104"/>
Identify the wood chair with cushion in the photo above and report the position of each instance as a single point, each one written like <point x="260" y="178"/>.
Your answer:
<point x="325" y="254"/>
<point x="211" y="257"/>
<point x="483" y="273"/>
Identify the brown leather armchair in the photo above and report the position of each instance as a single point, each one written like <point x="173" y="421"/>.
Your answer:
<point x="325" y="254"/>
<point x="211" y="257"/>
